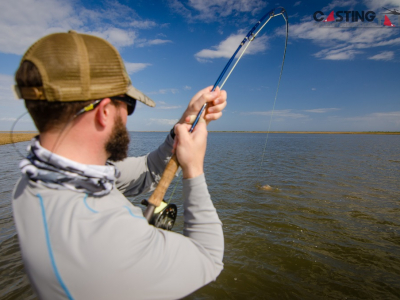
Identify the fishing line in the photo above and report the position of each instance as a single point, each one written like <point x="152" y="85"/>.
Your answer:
<point x="252" y="34"/>
<point x="276" y="94"/>
<point x="87" y="108"/>
<point x="12" y="132"/>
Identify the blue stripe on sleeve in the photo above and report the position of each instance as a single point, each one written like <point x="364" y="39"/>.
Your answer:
<point x="131" y="213"/>
<point x="87" y="205"/>
<point x="52" y="260"/>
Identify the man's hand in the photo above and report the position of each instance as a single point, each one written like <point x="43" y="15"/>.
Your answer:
<point x="216" y="103"/>
<point x="190" y="148"/>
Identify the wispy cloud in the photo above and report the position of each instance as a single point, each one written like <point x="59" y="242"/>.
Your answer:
<point x="216" y="10"/>
<point x="340" y="3"/>
<point x="342" y="43"/>
<point x="385" y="55"/>
<point x="321" y="110"/>
<point x="169" y="107"/>
<point x="164" y="105"/>
<point x="22" y="22"/>
<point x="116" y="36"/>
<point x="135" y="67"/>
<point x="164" y="91"/>
<point x="146" y="43"/>
<point x="285" y="113"/>
<point x="6" y="95"/>
<point x="297" y="3"/>
<point x="337" y="54"/>
<point x="187" y="88"/>
<point x="23" y="120"/>
<point x="164" y="121"/>
<point x="378" y="119"/>
<point x="226" y="48"/>
<point x="143" y="24"/>
<point x="376" y="4"/>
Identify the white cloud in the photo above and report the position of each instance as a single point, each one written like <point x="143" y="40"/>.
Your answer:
<point x="14" y="119"/>
<point x="165" y="106"/>
<point x="215" y="10"/>
<point x="135" y="67"/>
<point x="116" y="36"/>
<point x="169" y="107"/>
<point x="164" y="91"/>
<point x="385" y="55"/>
<point x="6" y="81"/>
<point x="143" y="24"/>
<point x="22" y="22"/>
<point x="297" y="3"/>
<point x="164" y="121"/>
<point x="379" y="119"/>
<point x="376" y="4"/>
<point x="145" y="43"/>
<point x="227" y="47"/>
<point x="285" y="113"/>
<point x="337" y="54"/>
<point x="340" y="3"/>
<point x="321" y="110"/>
<point x="342" y="43"/>
<point x="313" y="89"/>
<point x="187" y="87"/>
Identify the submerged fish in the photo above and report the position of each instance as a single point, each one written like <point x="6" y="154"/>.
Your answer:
<point x="266" y="187"/>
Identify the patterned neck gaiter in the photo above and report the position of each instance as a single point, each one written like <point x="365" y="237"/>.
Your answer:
<point x="57" y="172"/>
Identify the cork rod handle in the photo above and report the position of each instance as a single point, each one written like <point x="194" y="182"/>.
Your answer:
<point x="158" y="195"/>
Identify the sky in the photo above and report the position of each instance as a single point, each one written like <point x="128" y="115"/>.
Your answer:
<point x="342" y="78"/>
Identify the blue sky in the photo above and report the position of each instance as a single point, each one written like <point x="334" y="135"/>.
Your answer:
<point x="335" y="79"/>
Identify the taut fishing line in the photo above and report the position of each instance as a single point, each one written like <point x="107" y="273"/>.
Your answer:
<point x="89" y="107"/>
<point x="278" y="11"/>
<point x="12" y="132"/>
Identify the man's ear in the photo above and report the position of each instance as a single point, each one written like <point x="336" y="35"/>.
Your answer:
<point x="103" y="113"/>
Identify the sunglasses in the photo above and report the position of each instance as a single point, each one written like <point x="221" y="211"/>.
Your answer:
<point x="131" y="105"/>
<point x="131" y="102"/>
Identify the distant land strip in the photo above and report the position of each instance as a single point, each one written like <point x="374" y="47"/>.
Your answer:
<point x="17" y="137"/>
<point x="302" y="132"/>
<point x="22" y="136"/>
<point x="318" y="132"/>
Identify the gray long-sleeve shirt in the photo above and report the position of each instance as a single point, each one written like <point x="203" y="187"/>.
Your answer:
<point x="76" y="246"/>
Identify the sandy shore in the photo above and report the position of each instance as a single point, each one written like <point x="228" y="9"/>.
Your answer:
<point x="16" y="137"/>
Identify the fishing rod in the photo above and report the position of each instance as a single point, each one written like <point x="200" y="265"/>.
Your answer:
<point x="158" y="212"/>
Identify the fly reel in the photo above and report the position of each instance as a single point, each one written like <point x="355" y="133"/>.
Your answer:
<point x="164" y="216"/>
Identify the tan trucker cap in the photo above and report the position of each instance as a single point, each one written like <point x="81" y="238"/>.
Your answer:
<point x="78" y="67"/>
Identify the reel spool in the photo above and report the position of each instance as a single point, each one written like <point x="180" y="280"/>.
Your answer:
<point x="164" y="216"/>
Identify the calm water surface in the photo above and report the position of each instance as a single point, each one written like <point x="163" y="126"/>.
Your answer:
<point x="329" y="228"/>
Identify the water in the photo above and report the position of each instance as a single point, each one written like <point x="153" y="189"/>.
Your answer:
<point x="329" y="228"/>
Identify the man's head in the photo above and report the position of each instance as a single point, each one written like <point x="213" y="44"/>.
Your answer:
<point x="63" y="75"/>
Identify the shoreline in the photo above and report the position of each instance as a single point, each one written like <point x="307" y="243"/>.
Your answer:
<point x="302" y="132"/>
<point x="23" y="136"/>
<point x="318" y="132"/>
<point x="19" y="136"/>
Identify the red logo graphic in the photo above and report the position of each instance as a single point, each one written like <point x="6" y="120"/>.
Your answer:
<point x="387" y="22"/>
<point x="330" y="18"/>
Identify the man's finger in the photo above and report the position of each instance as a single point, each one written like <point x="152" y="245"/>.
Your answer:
<point x="213" y="117"/>
<point x="201" y="92"/>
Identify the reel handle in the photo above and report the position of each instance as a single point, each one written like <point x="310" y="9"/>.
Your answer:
<point x="158" y="195"/>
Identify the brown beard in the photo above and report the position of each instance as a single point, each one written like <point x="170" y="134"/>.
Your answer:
<point x="117" y="144"/>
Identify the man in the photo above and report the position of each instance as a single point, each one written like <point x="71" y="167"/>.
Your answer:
<point x="80" y="237"/>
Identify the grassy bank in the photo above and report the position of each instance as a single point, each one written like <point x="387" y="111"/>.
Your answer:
<point x="16" y="137"/>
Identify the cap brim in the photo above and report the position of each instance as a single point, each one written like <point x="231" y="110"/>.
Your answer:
<point x="138" y="95"/>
